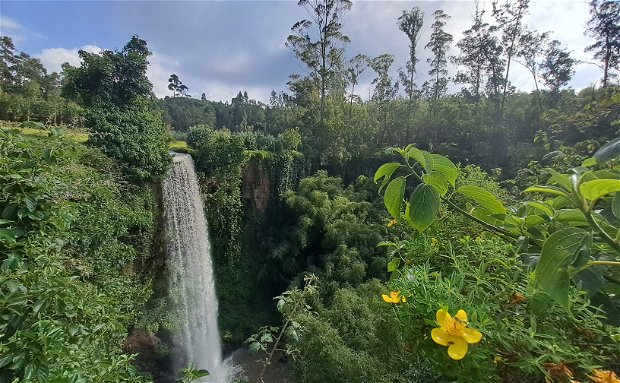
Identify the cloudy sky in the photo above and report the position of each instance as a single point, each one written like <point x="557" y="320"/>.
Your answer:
<point x="223" y="47"/>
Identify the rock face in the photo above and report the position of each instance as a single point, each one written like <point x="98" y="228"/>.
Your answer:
<point x="256" y="184"/>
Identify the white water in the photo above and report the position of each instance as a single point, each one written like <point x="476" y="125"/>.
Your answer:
<point x="191" y="272"/>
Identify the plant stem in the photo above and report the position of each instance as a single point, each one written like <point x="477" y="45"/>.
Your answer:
<point x="597" y="263"/>
<point x="610" y="241"/>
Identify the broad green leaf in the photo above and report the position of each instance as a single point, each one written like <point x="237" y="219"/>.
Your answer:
<point x="484" y="198"/>
<point x="562" y="180"/>
<point x="534" y="220"/>
<point x="589" y="162"/>
<point x="393" y="265"/>
<point x="615" y="205"/>
<point x="568" y="215"/>
<point x="608" y="151"/>
<point x="593" y="190"/>
<point x="590" y="279"/>
<point x="254" y="347"/>
<point x="429" y="162"/>
<point x="394" y="194"/>
<point x="436" y="180"/>
<point x="386" y="170"/>
<point x="542" y="207"/>
<point x="417" y="155"/>
<point x="547" y="189"/>
<point x="444" y="166"/>
<point x="201" y="373"/>
<point x="558" y="253"/>
<point x="424" y="207"/>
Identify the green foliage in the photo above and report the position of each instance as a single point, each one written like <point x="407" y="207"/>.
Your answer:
<point x="133" y="135"/>
<point x="565" y="252"/>
<point x="69" y="235"/>
<point x="521" y="331"/>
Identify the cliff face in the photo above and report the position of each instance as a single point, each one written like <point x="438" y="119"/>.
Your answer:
<point x="256" y="184"/>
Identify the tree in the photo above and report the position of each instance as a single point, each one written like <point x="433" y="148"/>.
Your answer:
<point x="556" y="68"/>
<point x="439" y="45"/>
<point x="355" y="67"/>
<point x="322" y="54"/>
<point x="604" y="26"/>
<point x="509" y="15"/>
<point x="117" y="78"/>
<point x="385" y="89"/>
<point x="480" y="55"/>
<point x="176" y="86"/>
<point x="411" y="23"/>
<point x="114" y="89"/>
<point x="530" y="48"/>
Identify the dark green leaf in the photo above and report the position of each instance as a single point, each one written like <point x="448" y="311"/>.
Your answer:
<point x="615" y="205"/>
<point x="558" y="253"/>
<point x="424" y="203"/>
<point x="608" y="151"/>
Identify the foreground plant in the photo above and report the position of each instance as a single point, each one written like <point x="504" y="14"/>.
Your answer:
<point x="454" y="333"/>
<point x="574" y="236"/>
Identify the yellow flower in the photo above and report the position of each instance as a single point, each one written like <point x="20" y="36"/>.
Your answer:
<point x="434" y="241"/>
<point x="599" y="376"/>
<point x="394" y="297"/>
<point x="393" y="222"/>
<point x="454" y="333"/>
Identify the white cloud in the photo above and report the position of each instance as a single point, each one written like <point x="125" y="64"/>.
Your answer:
<point x="159" y="71"/>
<point x="9" y="24"/>
<point x="53" y="58"/>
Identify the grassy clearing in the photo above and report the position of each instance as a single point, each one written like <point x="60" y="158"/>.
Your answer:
<point x="177" y="145"/>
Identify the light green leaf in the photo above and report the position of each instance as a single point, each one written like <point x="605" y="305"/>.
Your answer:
<point x="558" y="253"/>
<point x="542" y="207"/>
<point x="484" y="198"/>
<point x="608" y="151"/>
<point x="547" y="189"/>
<point x="386" y="170"/>
<point x="593" y="190"/>
<point x="446" y="167"/>
<point x="424" y="203"/>
<point x="393" y="265"/>
<point x="436" y="180"/>
<point x="589" y="162"/>
<point x="429" y="161"/>
<point x="394" y="194"/>
<point x="417" y="155"/>
<point x="561" y="179"/>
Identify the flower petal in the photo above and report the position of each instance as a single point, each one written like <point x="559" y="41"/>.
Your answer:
<point x="458" y="349"/>
<point x="461" y="315"/>
<point x="443" y="317"/>
<point x="403" y="299"/>
<point x="471" y="335"/>
<point x="440" y="336"/>
<point x="387" y="299"/>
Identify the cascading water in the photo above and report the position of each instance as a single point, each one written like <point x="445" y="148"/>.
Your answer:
<point x="191" y="272"/>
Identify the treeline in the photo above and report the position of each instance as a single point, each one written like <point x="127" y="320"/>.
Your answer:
<point x="488" y="122"/>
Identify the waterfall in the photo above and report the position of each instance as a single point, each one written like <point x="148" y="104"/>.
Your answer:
<point x="190" y="268"/>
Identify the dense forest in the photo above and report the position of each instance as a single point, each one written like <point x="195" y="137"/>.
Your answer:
<point x="419" y="235"/>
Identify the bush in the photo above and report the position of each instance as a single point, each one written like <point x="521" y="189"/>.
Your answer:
<point x="134" y="136"/>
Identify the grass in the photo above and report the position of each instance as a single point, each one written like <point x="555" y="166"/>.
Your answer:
<point x="73" y="135"/>
<point x="177" y="145"/>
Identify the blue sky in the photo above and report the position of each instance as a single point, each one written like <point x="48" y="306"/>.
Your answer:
<point x="223" y="47"/>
